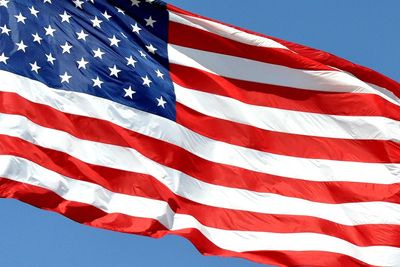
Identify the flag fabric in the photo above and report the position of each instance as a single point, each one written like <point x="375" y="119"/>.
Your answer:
<point x="139" y="117"/>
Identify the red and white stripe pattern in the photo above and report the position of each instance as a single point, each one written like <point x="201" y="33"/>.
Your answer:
<point x="280" y="154"/>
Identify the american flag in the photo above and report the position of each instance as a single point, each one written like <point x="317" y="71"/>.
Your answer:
<point x="139" y="117"/>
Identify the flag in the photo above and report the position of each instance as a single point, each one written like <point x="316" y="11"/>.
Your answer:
<point x="139" y="117"/>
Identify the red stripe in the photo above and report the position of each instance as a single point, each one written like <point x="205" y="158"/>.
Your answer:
<point x="352" y="104"/>
<point x="178" y="35"/>
<point x="79" y="212"/>
<point x="92" y="216"/>
<point x="145" y="186"/>
<point x="373" y="151"/>
<point x="220" y="174"/>
<point x="323" y="57"/>
<point x="115" y="180"/>
<point x="363" y="73"/>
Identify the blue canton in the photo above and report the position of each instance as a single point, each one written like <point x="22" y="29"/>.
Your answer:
<point x="111" y="49"/>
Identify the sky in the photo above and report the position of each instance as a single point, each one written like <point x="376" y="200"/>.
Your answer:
<point x="366" y="32"/>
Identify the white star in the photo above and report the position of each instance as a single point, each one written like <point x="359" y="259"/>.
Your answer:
<point x="150" y="22"/>
<point x="34" y="67"/>
<point x="114" y="41"/>
<point x="120" y="10"/>
<point x="142" y="54"/>
<point x="21" y="46"/>
<point x="135" y="3"/>
<point x="106" y="15"/>
<point x="50" y="58"/>
<point x="82" y="35"/>
<point x="4" y="3"/>
<point x="151" y="49"/>
<point x="136" y="28"/>
<point x="98" y="53"/>
<point x="161" y="102"/>
<point x="65" y="77"/>
<point x="46" y="1"/>
<point x="146" y="81"/>
<point x="3" y="58"/>
<point x="114" y="71"/>
<point x="97" y="82"/>
<point x="129" y="92"/>
<point x="33" y="11"/>
<point x="50" y="31"/>
<point x="20" y="18"/>
<point x="159" y="74"/>
<point x="131" y="61"/>
<point x="66" y="48"/>
<point x="150" y="1"/>
<point x="78" y="3"/>
<point x="37" y="38"/>
<point x="5" y="30"/>
<point x="82" y="63"/>
<point x="96" y="22"/>
<point x="65" y="17"/>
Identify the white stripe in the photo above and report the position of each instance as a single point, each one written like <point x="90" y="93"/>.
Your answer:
<point x="251" y="39"/>
<point x="289" y="121"/>
<point x="224" y="31"/>
<point x="25" y="171"/>
<point x="22" y="170"/>
<point x="128" y="159"/>
<point x="255" y="71"/>
<point x="388" y="95"/>
<point x="219" y="152"/>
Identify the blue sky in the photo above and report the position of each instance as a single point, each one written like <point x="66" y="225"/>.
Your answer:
<point x="363" y="31"/>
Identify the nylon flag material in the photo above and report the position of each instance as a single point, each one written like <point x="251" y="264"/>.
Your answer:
<point x="139" y="117"/>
